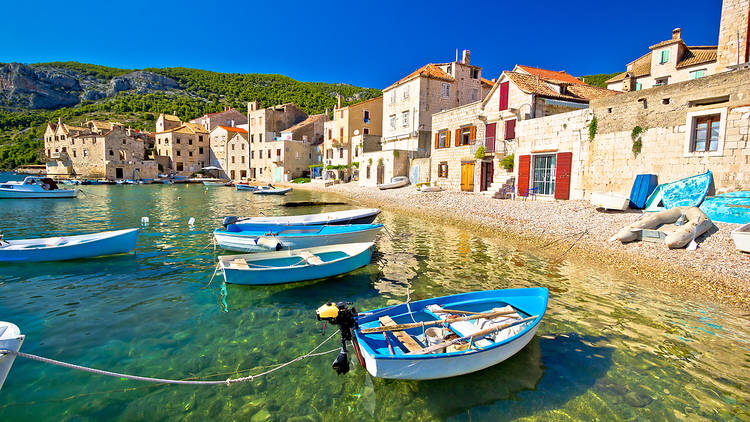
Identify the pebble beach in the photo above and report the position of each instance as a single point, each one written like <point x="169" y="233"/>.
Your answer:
<point x="577" y="230"/>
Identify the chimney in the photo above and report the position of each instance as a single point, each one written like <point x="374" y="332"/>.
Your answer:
<point x="338" y="101"/>
<point x="456" y="55"/>
<point x="677" y="34"/>
<point x="466" y="57"/>
<point x="232" y="123"/>
<point x="328" y="112"/>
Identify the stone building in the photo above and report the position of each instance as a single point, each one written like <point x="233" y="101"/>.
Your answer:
<point x="229" y="117"/>
<point x="230" y="151"/>
<point x="100" y="150"/>
<point x="734" y="35"/>
<point x="362" y="118"/>
<point x="265" y="124"/>
<point x="167" y="121"/>
<point x="469" y="142"/>
<point x="667" y="62"/>
<point x="673" y="131"/>
<point x="182" y="148"/>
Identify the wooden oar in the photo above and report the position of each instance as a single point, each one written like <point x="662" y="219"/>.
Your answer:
<point x="402" y="327"/>
<point x="478" y="334"/>
<point x="452" y="311"/>
<point x="738" y="206"/>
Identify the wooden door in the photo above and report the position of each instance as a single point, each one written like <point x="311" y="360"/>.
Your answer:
<point x="487" y="176"/>
<point x="381" y="174"/>
<point x="467" y="177"/>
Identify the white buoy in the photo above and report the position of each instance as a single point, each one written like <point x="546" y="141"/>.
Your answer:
<point x="10" y="339"/>
<point x="191" y="222"/>
<point x="144" y="221"/>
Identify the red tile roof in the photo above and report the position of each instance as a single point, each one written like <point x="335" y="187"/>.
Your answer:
<point x="693" y="55"/>
<point x="233" y="129"/>
<point x="560" y="75"/>
<point x="532" y="84"/>
<point x="487" y="82"/>
<point x="429" y="70"/>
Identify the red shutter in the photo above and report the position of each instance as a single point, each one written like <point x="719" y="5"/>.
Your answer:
<point x="489" y="130"/>
<point x="524" y="172"/>
<point x="510" y="129"/>
<point x="504" y="87"/>
<point x="562" y="175"/>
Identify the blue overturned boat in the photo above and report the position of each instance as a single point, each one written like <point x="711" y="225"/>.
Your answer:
<point x="68" y="247"/>
<point x="440" y="337"/>
<point x="732" y="207"/>
<point x="262" y="238"/>
<point x="295" y="265"/>
<point x="687" y="192"/>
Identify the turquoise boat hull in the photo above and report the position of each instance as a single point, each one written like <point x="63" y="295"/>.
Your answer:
<point x="375" y="348"/>
<point x="290" y="267"/>
<point x="733" y="207"/>
<point x="687" y="192"/>
<point x="69" y="247"/>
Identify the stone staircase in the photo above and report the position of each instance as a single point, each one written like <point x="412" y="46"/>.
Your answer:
<point x="501" y="182"/>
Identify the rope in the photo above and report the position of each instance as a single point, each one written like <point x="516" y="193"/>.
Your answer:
<point x="227" y="382"/>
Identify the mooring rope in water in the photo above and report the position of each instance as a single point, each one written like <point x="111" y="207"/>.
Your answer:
<point x="227" y="382"/>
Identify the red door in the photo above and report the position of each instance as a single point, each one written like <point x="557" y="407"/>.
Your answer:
<point x="524" y="170"/>
<point x="562" y="175"/>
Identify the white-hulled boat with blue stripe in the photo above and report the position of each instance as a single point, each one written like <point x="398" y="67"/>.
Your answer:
<point x="264" y="238"/>
<point x="68" y="247"/>
<point x="295" y="265"/>
<point x="357" y="216"/>
<point x="10" y="339"/>
<point x="270" y="190"/>
<point x="34" y="187"/>
<point x="441" y="337"/>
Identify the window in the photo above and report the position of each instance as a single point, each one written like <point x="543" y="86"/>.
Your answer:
<point x="405" y="118"/>
<point x="260" y="137"/>
<point x="446" y="90"/>
<point x="190" y="153"/>
<point x="232" y="147"/>
<point x="110" y="153"/>
<point x="706" y="133"/>
<point x="393" y="97"/>
<point x="178" y="153"/>
<point x="474" y="74"/>
<point x="252" y="138"/>
<point x="242" y="159"/>
<point x="697" y="74"/>
<point x="85" y="153"/>
<point x="278" y="152"/>
<point x="465" y="135"/>
<point x="443" y="169"/>
<point x="393" y="121"/>
<point x="366" y="131"/>
<point x="252" y="155"/>
<point x="405" y="93"/>
<point x="510" y="129"/>
<point x="200" y="138"/>
<point x="178" y="140"/>
<point x="242" y="145"/>
<point x="233" y="159"/>
<point x="544" y="174"/>
<point x="661" y="81"/>
<point x="443" y="140"/>
<point x="341" y="134"/>
<point x="269" y="153"/>
<point x="366" y="115"/>
<point x="330" y="134"/>
<point x="664" y="57"/>
<point x="356" y="151"/>
<point x="504" y="89"/>
<point x="179" y="166"/>
<point x="368" y="172"/>
<point x="341" y="152"/>
<point x="473" y="94"/>
<point x="122" y="155"/>
<point x="190" y="142"/>
<point x="74" y="153"/>
<point x="200" y="150"/>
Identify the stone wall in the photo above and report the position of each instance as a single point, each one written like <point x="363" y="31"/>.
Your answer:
<point x="394" y="162"/>
<point x="734" y="20"/>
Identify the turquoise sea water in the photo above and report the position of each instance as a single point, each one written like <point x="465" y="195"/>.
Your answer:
<point x="609" y="348"/>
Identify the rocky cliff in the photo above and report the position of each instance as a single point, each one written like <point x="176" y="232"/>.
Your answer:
<point x="51" y="87"/>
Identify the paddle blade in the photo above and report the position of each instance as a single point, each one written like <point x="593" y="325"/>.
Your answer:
<point x="693" y="245"/>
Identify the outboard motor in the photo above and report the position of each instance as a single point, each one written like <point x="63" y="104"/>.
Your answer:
<point x="228" y="220"/>
<point x="343" y="316"/>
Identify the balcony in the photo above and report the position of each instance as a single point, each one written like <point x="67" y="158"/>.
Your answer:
<point x="493" y="145"/>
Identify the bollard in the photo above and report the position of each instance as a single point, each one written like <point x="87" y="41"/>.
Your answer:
<point x="144" y="221"/>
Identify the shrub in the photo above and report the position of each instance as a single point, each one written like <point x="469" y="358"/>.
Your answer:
<point x="480" y="152"/>
<point x="508" y="162"/>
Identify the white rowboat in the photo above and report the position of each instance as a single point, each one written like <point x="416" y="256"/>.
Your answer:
<point x="741" y="237"/>
<point x="34" y="187"/>
<point x="68" y="247"/>
<point x="10" y="339"/>
<point x="358" y="216"/>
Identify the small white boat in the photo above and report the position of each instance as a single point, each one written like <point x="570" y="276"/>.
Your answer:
<point x="267" y="190"/>
<point x="396" y="182"/>
<point x="262" y="238"/>
<point x="741" y="237"/>
<point x="359" y="216"/>
<point x="295" y="265"/>
<point x="69" y="247"/>
<point x="610" y="201"/>
<point x="428" y="188"/>
<point x="34" y="187"/>
<point x="10" y="339"/>
<point x="213" y="183"/>
<point x="244" y="186"/>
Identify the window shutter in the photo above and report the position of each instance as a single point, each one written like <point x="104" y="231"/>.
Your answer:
<point x="562" y="175"/>
<point x="524" y="170"/>
<point x="510" y="129"/>
<point x="473" y="133"/>
<point x="504" y="87"/>
<point x="447" y="138"/>
<point x="458" y="137"/>
<point x="437" y="140"/>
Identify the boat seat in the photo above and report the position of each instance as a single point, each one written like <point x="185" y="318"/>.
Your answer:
<point x="54" y="241"/>
<point x="406" y="340"/>
<point x="310" y="258"/>
<point x="239" y="263"/>
<point x="468" y="328"/>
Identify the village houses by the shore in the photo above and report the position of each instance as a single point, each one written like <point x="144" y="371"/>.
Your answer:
<point x="181" y="148"/>
<point x="346" y="134"/>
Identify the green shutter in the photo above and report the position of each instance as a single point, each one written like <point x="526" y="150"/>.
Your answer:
<point x="664" y="56"/>
<point x="638" y="86"/>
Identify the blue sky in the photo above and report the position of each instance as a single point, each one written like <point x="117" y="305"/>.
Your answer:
<point x="369" y="44"/>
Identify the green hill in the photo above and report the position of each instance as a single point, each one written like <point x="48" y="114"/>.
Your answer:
<point x="136" y="97"/>
<point x="599" y="79"/>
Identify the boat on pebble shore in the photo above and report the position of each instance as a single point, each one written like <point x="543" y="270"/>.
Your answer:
<point x="396" y="182"/>
<point x="676" y="227"/>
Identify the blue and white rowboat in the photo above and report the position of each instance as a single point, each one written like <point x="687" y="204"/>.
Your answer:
<point x="295" y="265"/>
<point x="356" y="216"/>
<point x="687" y="192"/>
<point x="68" y="247"/>
<point x="10" y="339"/>
<point x="271" y="191"/>
<point x="390" y="357"/>
<point x="34" y="187"/>
<point x="262" y="238"/>
<point x="242" y="186"/>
